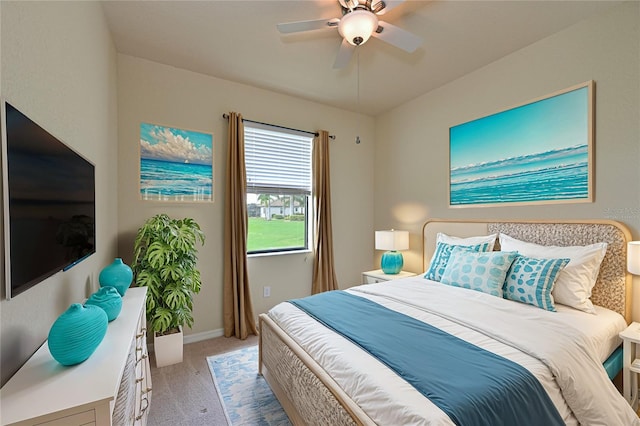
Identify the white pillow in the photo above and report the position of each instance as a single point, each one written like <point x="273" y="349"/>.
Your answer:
<point x="467" y="241"/>
<point x="576" y="280"/>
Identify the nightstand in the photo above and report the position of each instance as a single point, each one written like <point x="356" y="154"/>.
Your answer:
<point x="630" y="363"/>
<point x="377" y="276"/>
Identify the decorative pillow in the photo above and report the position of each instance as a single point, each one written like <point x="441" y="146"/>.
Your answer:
<point x="467" y="241"/>
<point x="531" y="281"/>
<point x="576" y="280"/>
<point x="441" y="258"/>
<point x="483" y="272"/>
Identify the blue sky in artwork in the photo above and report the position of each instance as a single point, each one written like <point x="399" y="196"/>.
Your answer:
<point x="545" y="125"/>
<point x="175" y="145"/>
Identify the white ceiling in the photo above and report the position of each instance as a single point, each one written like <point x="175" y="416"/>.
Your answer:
<point x="237" y="40"/>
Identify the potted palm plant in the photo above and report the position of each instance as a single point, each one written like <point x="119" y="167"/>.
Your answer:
<point x="165" y="255"/>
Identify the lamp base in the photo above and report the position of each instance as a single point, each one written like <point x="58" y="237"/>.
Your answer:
<point x="391" y="262"/>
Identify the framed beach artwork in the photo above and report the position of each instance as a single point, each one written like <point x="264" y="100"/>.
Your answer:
<point x="539" y="152"/>
<point x="175" y="165"/>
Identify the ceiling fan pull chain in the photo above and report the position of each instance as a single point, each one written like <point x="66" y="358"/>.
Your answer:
<point x="358" y="93"/>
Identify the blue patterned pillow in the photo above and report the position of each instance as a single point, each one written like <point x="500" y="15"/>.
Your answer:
<point x="531" y="281"/>
<point x="441" y="256"/>
<point x="483" y="272"/>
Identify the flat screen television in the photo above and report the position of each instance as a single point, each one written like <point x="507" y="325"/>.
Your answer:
<point x="48" y="203"/>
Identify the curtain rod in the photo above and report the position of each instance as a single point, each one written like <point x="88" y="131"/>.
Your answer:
<point x="226" y="116"/>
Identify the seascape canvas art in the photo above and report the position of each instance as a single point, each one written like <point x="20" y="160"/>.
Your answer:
<point x="175" y="164"/>
<point x="539" y="152"/>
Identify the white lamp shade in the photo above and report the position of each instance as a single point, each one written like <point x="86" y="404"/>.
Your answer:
<point x="392" y="240"/>
<point x="633" y="257"/>
<point x="359" y="23"/>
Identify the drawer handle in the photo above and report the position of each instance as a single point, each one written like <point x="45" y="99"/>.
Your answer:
<point x="142" y="358"/>
<point x="142" y="410"/>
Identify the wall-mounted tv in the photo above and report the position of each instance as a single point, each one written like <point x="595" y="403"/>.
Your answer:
<point x="48" y="203"/>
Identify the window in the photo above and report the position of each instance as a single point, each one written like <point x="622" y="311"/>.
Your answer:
<point x="278" y="164"/>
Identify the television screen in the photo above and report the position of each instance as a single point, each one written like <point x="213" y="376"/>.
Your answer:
<point x="49" y="195"/>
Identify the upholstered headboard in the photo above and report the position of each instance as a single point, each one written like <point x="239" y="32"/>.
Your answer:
<point x="613" y="286"/>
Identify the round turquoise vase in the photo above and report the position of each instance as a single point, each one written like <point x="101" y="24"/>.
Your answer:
<point x="76" y="334"/>
<point x="117" y="275"/>
<point x="108" y="299"/>
<point x="391" y="262"/>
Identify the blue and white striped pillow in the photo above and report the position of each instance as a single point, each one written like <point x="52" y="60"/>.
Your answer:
<point x="531" y="280"/>
<point x="441" y="258"/>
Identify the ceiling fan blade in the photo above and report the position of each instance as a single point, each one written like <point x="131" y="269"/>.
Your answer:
<point x="344" y="54"/>
<point x="380" y="7"/>
<point x="397" y="37"/>
<point x="317" y="24"/>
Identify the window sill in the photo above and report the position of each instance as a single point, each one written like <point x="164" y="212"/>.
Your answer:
<point x="279" y="253"/>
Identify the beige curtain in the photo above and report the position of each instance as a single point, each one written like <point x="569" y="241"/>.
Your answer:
<point x="324" y="275"/>
<point x="238" y="311"/>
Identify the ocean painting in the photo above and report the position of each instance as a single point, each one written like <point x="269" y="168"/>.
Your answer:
<point x="536" y="153"/>
<point x="175" y="164"/>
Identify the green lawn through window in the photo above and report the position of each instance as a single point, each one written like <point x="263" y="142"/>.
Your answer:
<point x="274" y="234"/>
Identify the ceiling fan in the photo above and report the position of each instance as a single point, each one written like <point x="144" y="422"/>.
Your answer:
<point x="359" y="22"/>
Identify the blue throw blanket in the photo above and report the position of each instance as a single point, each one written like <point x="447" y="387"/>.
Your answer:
<point x="471" y="385"/>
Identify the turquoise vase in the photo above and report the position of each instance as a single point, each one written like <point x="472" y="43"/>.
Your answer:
<point x="391" y="262"/>
<point x="108" y="299"/>
<point x="118" y="275"/>
<point x="76" y="334"/>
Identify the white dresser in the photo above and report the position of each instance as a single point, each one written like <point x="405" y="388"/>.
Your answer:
<point x="112" y="387"/>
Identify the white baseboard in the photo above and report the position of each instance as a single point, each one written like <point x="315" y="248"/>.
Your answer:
<point x="197" y="337"/>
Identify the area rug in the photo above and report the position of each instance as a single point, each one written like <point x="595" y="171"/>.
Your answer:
<point x="245" y="395"/>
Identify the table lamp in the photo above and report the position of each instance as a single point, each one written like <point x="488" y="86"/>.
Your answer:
<point x="392" y="241"/>
<point x="633" y="257"/>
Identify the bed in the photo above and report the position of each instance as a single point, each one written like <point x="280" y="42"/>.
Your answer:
<point x="322" y="377"/>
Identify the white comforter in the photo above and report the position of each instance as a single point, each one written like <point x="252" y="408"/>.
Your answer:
<point x="556" y="347"/>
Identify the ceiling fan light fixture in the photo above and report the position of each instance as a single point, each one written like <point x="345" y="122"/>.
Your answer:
<point x="356" y="27"/>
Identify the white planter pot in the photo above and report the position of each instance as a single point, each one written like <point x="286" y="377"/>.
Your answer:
<point x="168" y="348"/>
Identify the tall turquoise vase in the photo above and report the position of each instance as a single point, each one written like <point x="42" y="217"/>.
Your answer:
<point x="118" y="275"/>
<point x="76" y="334"/>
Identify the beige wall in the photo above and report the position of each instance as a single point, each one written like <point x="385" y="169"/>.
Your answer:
<point x="155" y="93"/>
<point x="58" y="66"/>
<point x="411" y="176"/>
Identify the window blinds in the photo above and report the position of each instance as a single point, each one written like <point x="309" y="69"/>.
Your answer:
<point x="277" y="160"/>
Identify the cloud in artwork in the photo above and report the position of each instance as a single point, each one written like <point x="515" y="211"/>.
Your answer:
<point x="167" y="146"/>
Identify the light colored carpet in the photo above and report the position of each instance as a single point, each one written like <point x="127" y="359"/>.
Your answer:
<point x="246" y="396"/>
<point x="184" y="394"/>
